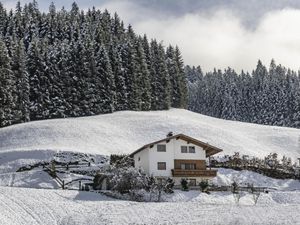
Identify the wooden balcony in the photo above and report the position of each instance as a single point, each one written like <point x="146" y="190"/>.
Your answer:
<point x="194" y="173"/>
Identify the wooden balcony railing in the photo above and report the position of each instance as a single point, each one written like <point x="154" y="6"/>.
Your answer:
<point x="193" y="173"/>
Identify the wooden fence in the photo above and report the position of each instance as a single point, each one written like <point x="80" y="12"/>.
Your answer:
<point x="229" y="188"/>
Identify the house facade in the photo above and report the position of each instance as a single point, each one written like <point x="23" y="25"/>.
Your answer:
<point x="176" y="156"/>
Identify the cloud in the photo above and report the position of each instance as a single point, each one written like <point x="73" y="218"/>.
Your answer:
<point x="218" y="39"/>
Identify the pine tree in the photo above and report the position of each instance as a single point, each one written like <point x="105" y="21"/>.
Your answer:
<point x="7" y="85"/>
<point x="38" y="80"/>
<point x="230" y="96"/>
<point x="160" y="82"/>
<point x="132" y="71"/>
<point x="77" y="63"/>
<point x="181" y="80"/>
<point x="118" y="71"/>
<point x="106" y="86"/>
<point x="3" y="20"/>
<point x="143" y="77"/>
<point x="57" y="105"/>
<point x="174" y="77"/>
<point x="65" y="79"/>
<point x="22" y="89"/>
<point x="260" y="95"/>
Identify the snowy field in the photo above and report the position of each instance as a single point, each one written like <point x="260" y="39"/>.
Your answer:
<point x="56" y="207"/>
<point x="26" y="197"/>
<point x="124" y="132"/>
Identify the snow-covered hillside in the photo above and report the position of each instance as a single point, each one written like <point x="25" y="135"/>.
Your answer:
<point x="123" y="132"/>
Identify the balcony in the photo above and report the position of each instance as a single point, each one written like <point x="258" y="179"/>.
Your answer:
<point x="193" y="173"/>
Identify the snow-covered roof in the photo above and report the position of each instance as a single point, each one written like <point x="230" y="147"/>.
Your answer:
<point x="210" y="149"/>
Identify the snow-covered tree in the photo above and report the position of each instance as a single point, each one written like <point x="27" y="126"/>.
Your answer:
<point x="7" y="83"/>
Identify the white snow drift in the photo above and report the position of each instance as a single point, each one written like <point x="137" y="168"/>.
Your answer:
<point x="20" y="206"/>
<point x="123" y="132"/>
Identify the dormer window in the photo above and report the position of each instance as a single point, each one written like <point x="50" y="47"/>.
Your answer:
<point x="188" y="149"/>
<point x="161" y="148"/>
<point x="183" y="149"/>
<point x="192" y="149"/>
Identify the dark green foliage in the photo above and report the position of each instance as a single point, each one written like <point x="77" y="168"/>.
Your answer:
<point x="204" y="185"/>
<point x="169" y="186"/>
<point x="121" y="160"/>
<point x="181" y="99"/>
<point x="267" y="96"/>
<point x="76" y="63"/>
<point x="39" y="81"/>
<point x="184" y="184"/>
<point x="160" y="79"/>
<point x="21" y="95"/>
<point x="7" y="88"/>
<point x="234" y="187"/>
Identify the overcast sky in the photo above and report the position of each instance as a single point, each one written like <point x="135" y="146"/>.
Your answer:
<point x="212" y="33"/>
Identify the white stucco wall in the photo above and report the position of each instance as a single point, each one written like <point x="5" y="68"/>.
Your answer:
<point x="198" y="155"/>
<point x="155" y="157"/>
<point x="150" y="157"/>
<point x="141" y="160"/>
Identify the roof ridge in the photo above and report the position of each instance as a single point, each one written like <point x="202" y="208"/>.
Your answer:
<point x="197" y="142"/>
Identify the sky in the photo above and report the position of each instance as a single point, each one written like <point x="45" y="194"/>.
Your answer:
<point x="211" y="33"/>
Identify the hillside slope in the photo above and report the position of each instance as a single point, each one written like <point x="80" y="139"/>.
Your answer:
<point x="123" y="132"/>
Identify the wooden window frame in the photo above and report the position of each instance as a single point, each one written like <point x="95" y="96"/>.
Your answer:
<point x="160" y="164"/>
<point x="192" y="147"/>
<point x="159" y="150"/>
<point x="186" y="149"/>
<point x="188" y="166"/>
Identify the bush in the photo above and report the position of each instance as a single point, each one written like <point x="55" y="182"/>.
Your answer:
<point x="169" y="186"/>
<point x="125" y="179"/>
<point x="120" y="160"/>
<point x="184" y="185"/>
<point x="234" y="187"/>
<point x="204" y="186"/>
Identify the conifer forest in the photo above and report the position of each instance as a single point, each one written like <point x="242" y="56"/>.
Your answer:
<point x="70" y="63"/>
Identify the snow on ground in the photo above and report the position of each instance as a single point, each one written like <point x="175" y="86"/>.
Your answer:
<point x="124" y="132"/>
<point x="39" y="179"/>
<point x="29" y="179"/>
<point x="226" y="177"/>
<point x="20" y="206"/>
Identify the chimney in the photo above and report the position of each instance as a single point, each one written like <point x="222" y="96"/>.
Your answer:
<point x="170" y="134"/>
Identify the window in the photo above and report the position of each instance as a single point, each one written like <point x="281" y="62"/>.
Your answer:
<point x="161" y="166"/>
<point x="183" y="149"/>
<point x="188" y="166"/>
<point x="192" y="182"/>
<point x="139" y="159"/>
<point x="161" y="148"/>
<point x="192" y="149"/>
<point x="191" y="166"/>
<point x="182" y="166"/>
